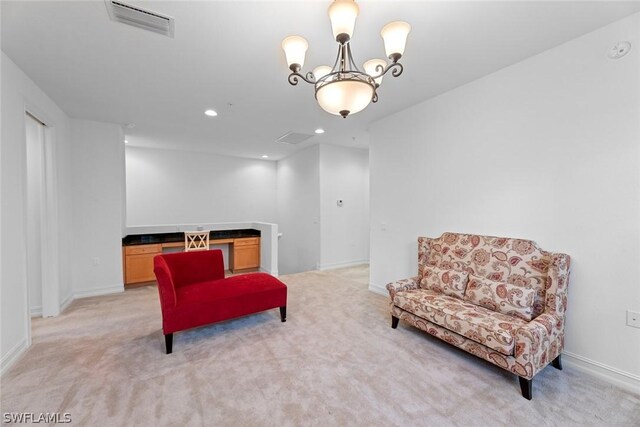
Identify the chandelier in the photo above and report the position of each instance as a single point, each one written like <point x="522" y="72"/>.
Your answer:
<point x="344" y="89"/>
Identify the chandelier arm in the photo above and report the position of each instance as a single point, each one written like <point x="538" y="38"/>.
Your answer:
<point x="396" y="69"/>
<point x="335" y="64"/>
<point x="293" y="78"/>
<point x="351" y="62"/>
<point x="374" y="98"/>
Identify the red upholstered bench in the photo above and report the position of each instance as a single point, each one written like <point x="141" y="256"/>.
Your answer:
<point x="194" y="292"/>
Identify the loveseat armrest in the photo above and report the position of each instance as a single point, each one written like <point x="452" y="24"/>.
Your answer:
<point x="402" y="285"/>
<point x="166" y="287"/>
<point x="538" y="343"/>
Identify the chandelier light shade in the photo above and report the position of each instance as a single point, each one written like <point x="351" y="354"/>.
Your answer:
<point x="295" y="49"/>
<point x="321" y="71"/>
<point x="395" y="35"/>
<point x="343" y="97"/>
<point x="344" y="89"/>
<point x="343" y="14"/>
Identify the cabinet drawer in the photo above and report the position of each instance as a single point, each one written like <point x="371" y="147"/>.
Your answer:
<point x="247" y="241"/>
<point x="142" y="249"/>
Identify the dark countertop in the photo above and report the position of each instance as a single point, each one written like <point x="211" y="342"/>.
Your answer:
<point x="148" y="239"/>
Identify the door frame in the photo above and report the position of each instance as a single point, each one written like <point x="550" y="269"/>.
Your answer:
<point x="49" y="235"/>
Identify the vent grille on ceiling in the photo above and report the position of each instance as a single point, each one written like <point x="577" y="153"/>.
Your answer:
<point x="293" y="138"/>
<point x="141" y="18"/>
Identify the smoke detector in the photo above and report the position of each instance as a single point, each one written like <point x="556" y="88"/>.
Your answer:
<point x="619" y="50"/>
<point x="141" y="18"/>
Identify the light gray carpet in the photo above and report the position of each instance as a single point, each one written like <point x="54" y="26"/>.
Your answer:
<point x="336" y="361"/>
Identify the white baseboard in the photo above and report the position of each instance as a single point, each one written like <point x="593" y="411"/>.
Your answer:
<point x="13" y="355"/>
<point x="626" y="380"/>
<point x="108" y="290"/>
<point x="36" y="311"/>
<point x="618" y="377"/>
<point x="331" y="266"/>
<point x="378" y="289"/>
<point x="67" y="301"/>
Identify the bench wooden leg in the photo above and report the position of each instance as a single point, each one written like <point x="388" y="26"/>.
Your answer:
<point x="168" y="342"/>
<point x="557" y="363"/>
<point x="526" y="387"/>
<point x="394" y="322"/>
<point x="283" y="313"/>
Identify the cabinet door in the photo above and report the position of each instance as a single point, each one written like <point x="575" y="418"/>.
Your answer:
<point x="246" y="257"/>
<point x="139" y="268"/>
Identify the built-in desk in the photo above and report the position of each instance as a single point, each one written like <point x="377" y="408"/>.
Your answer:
<point x="139" y="250"/>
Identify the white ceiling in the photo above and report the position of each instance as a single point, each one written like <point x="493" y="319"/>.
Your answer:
<point x="229" y="53"/>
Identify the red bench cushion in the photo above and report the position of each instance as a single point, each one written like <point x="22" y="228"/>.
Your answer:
<point x="206" y="302"/>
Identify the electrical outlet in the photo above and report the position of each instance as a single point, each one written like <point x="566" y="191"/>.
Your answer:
<point x="633" y="318"/>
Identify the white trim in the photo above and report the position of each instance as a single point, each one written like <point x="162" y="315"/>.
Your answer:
<point x="331" y="266"/>
<point x="13" y="355"/>
<point x="381" y="290"/>
<point x="626" y="380"/>
<point x="67" y="301"/>
<point x="36" y="311"/>
<point x="49" y="226"/>
<point x="115" y="289"/>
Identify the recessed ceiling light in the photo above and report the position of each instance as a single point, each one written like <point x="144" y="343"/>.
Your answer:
<point x="319" y="130"/>
<point x="126" y="142"/>
<point x="264" y="156"/>
<point x="211" y="113"/>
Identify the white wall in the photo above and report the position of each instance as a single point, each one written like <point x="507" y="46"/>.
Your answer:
<point x="344" y="231"/>
<point x="299" y="211"/>
<point x="98" y="186"/>
<point x="178" y="187"/>
<point x="316" y="233"/>
<point x="19" y="93"/>
<point x="546" y="149"/>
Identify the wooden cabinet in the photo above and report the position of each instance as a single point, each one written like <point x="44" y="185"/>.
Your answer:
<point x="245" y="254"/>
<point x="138" y="263"/>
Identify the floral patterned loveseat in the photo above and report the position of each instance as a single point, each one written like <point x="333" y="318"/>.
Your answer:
<point x="500" y="299"/>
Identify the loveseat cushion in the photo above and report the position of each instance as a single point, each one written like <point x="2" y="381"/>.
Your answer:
<point x="448" y="282"/>
<point x="500" y="296"/>
<point x="492" y="329"/>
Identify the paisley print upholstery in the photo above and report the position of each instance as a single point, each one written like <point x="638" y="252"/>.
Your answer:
<point x="502" y="297"/>
<point x="517" y="262"/>
<point x="448" y="282"/>
<point x="402" y="285"/>
<point x="479" y="324"/>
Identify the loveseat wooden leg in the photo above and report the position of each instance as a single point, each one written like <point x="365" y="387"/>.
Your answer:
<point x="394" y="322"/>
<point x="525" y="387"/>
<point x="168" y="342"/>
<point x="557" y="363"/>
<point x="283" y="314"/>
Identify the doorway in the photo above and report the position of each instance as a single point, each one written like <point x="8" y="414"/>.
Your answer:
<point x="41" y="220"/>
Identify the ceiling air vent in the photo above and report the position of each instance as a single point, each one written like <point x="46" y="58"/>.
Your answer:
<point x="141" y="18"/>
<point x="293" y="138"/>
